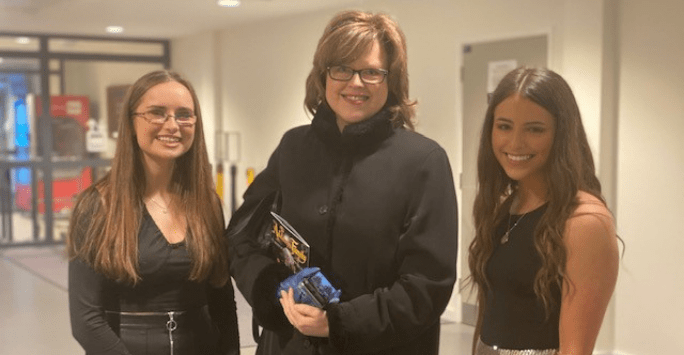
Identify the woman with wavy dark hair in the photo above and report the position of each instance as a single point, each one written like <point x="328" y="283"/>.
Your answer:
<point x="545" y="258"/>
<point x="374" y="199"/>
<point x="148" y="267"/>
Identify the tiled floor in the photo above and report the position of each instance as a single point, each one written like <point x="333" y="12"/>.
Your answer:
<point x="34" y="314"/>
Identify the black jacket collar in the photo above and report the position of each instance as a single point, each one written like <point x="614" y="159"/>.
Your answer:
<point x="355" y="137"/>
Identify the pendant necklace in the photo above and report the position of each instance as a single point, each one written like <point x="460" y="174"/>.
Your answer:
<point x="505" y="237"/>
<point x="165" y="210"/>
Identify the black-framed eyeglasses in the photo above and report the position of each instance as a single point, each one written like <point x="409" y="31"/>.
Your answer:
<point x="159" y="117"/>
<point x="368" y="76"/>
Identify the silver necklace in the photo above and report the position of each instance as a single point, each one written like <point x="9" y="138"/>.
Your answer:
<point x="164" y="209"/>
<point x="506" y="236"/>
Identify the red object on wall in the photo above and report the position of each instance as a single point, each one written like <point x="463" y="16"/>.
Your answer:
<point x="69" y="140"/>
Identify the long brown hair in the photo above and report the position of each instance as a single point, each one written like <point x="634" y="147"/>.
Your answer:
<point x="106" y="218"/>
<point x="570" y="169"/>
<point x="347" y="37"/>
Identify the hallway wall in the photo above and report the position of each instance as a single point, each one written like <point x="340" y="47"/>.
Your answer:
<point x="650" y="191"/>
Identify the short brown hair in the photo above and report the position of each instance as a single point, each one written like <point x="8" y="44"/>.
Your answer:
<point x="347" y="37"/>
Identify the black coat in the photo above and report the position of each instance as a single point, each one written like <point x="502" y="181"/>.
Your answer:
<point x="377" y="205"/>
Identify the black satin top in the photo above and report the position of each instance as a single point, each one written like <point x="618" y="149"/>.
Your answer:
<point x="164" y="269"/>
<point x="164" y="286"/>
<point x="514" y="317"/>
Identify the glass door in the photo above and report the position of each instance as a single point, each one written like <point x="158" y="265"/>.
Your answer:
<point x="47" y="157"/>
<point x="19" y="152"/>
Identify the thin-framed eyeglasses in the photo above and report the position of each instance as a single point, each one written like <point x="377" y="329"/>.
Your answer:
<point x="159" y="117"/>
<point x="368" y="75"/>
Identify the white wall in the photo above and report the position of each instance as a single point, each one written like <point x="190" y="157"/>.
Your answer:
<point x="194" y="58"/>
<point x="650" y="207"/>
<point x="264" y="69"/>
<point x="259" y="72"/>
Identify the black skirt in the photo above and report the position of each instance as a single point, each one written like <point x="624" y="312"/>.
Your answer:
<point x="166" y="333"/>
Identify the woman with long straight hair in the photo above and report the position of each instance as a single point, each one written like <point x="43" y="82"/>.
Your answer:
<point x="148" y="272"/>
<point x="545" y="258"/>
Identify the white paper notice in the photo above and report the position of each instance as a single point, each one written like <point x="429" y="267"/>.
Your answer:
<point x="497" y="70"/>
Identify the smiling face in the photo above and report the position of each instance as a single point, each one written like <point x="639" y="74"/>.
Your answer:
<point x="522" y="137"/>
<point x="354" y="101"/>
<point x="167" y="141"/>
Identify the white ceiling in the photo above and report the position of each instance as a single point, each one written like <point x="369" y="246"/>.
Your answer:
<point x="146" y="18"/>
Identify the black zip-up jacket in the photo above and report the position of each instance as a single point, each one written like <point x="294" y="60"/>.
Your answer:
<point x="378" y="207"/>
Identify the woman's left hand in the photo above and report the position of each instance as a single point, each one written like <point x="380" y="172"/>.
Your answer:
<point x="307" y="319"/>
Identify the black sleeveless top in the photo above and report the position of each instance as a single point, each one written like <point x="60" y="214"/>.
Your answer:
<point x="514" y="318"/>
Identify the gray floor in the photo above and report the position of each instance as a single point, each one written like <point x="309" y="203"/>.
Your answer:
<point x="34" y="315"/>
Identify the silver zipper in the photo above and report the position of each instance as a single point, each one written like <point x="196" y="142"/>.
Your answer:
<point x="171" y="325"/>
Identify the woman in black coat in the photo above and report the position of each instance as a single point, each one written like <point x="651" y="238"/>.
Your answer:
<point x="375" y="201"/>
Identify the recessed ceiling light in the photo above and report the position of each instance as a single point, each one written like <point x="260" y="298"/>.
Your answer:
<point x="114" y="29"/>
<point x="23" y="40"/>
<point x="228" y="3"/>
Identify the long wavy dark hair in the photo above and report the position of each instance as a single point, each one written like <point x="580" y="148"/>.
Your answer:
<point x="347" y="37"/>
<point x="106" y="218"/>
<point x="570" y="168"/>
